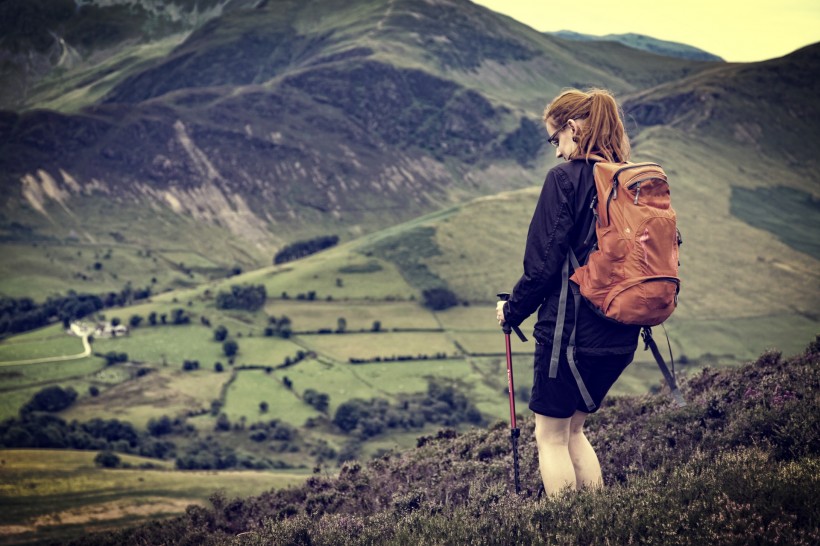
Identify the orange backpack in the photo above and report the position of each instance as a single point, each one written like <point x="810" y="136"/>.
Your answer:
<point x="631" y="275"/>
<point x="632" y="278"/>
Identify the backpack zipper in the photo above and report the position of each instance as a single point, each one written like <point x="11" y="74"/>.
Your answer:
<point x="633" y="166"/>
<point x="637" y="185"/>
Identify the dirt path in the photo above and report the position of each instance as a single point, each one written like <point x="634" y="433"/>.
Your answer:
<point x="79" y="331"/>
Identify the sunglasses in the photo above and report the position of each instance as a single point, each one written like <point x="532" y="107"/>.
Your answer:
<point x="553" y="139"/>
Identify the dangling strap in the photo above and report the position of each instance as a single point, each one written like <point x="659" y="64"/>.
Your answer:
<point x="559" y="329"/>
<point x="646" y="334"/>
<point x="576" y="294"/>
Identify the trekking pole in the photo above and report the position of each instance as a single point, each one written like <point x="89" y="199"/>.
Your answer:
<point x="515" y="432"/>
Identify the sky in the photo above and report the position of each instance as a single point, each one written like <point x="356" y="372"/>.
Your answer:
<point x="738" y="31"/>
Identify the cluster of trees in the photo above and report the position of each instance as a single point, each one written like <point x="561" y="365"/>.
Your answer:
<point x="23" y="314"/>
<point x="247" y="298"/>
<point x="35" y="429"/>
<point x="165" y="425"/>
<point x="190" y="365"/>
<point x="400" y="358"/>
<point x="209" y="455"/>
<point x="300" y="249"/>
<point x="50" y="399"/>
<point x="439" y="299"/>
<point x="319" y="400"/>
<point x="113" y="357"/>
<point x="179" y="317"/>
<point x="279" y="327"/>
<point x="441" y="404"/>
<point x="274" y="430"/>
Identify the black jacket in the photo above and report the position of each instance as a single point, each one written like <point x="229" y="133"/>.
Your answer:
<point x="562" y="217"/>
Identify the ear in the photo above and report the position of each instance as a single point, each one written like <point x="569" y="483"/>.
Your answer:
<point x="574" y="126"/>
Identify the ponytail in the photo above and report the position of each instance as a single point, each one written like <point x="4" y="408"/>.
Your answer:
<point x="602" y="132"/>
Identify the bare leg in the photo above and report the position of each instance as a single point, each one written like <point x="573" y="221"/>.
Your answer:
<point x="552" y="438"/>
<point x="584" y="459"/>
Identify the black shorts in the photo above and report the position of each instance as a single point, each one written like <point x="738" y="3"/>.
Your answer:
<point x="560" y="397"/>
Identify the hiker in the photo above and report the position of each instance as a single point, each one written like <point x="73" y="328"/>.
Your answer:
<point x="582" y="126"/>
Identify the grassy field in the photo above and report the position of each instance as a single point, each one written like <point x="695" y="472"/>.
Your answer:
<point x="254" y="386"/>
<point x="166" y="391"/>
<point x="57" y="494"/>
<point x="315" y="315"/>
<point x="384" y="345"/>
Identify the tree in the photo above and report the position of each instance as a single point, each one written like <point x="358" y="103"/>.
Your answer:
<point x="152" y="318"/>
<point x="223" y="423"/>
<point x="51" y="399"/>
<point x="439" y="299"/>
<point x="135" y="321"/>
<point x="341" y="325"/>
<point x="319" y="400"/>
<point x="107" y="459"/>
<point x="347" y="415"/>
<point x="221" y="333"/>
<point x="218" y="368"/>
<point x="158" y="427"/>
<point x="93" y="390"/>
<point x="230" y="348"/>
<point x="263" y="407"/>
<point x="178" y="316"/>
<point x="299" y="249"/>
<point x="377" y="326"/>
<point x="248" y="298"/>
<point x="113" y="357"/>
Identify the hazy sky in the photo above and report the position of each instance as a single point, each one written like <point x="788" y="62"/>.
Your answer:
<point x="739" y="31"/>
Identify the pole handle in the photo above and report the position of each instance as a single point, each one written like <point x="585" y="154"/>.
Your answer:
<point x="506" y="328"/>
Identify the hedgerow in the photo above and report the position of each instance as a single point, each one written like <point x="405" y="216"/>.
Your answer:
<point x="739" y="465"/>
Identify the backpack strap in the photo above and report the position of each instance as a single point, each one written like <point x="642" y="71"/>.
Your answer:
<point x="559" y="329"/>
<point x="646" y="334"/>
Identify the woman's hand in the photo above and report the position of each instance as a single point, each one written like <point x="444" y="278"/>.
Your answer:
<point x="499" y="313"/>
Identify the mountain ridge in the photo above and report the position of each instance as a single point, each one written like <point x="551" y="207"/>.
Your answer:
<point x="420" y="131"/>
<point x="645" y="43"/>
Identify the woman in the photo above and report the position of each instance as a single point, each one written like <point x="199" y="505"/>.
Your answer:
<point x="583" y="127"/>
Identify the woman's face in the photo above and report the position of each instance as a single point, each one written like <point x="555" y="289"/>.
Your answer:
<point x="563" y="136"/>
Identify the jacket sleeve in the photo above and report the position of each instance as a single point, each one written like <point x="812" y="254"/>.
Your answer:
<point x="546" y="249"/>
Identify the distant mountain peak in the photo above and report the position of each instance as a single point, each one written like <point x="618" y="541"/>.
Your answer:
<point x="643" y="43"/>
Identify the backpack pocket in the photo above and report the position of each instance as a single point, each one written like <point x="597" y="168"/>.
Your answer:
<point x="647" y="301"/>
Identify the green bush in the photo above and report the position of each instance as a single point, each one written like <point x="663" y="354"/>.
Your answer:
<point x="107" y="459"/>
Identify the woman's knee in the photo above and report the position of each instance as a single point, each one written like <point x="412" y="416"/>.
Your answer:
<point x="551" y="430"/>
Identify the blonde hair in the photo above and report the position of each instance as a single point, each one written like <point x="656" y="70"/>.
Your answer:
<point x="602" y="132"/>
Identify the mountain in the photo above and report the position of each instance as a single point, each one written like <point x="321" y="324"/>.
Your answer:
<point x="280" y="120"/>
<point x="644" y="43"/>
<point x="45" y="39"/>
<point x="277" y="121"/>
